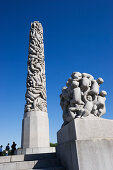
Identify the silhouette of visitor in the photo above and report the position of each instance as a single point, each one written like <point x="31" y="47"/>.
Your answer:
<point x="7" y="149"/>
<point x="1" y="150"/>
<point x="13" y="147"/>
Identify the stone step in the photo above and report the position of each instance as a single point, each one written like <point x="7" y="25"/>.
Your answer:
<point x="40" y="164"/>
<point x="30" y="157"/>
<point x="35" y="150"/>
<point x="50" y="168"/>
<point x="47" y="163"/>
<point x="39" y="156"/>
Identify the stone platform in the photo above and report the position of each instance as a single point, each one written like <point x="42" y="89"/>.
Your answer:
<point x="86" y="144"/>
<point x="46" y="161"/>
<point x="35" y="150"/>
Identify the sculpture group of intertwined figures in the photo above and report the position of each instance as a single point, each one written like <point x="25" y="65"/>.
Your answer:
<point x="36" y="81"/>
<point x="81" y="97"/>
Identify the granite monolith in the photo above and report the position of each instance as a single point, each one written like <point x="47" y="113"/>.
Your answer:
<point x="35" y="124"/>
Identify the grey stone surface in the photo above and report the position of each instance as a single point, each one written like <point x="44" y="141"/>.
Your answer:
<point x="17" y="165"/>
<point x="41" y="156"/>
<point x="44" y="150"/>
<point x="86" y="144"/>
<point x="47" y="163"/>
<point x="38" y="161"/>
<point x="35" y="150"/>
<point x="8" y="166"/>
<point x="35" y="130"/>
<point x="99" y="152"/>
<point x="4" y="159"/>
<point x="67" y="154"/>
<point x="28" y="157"/>
<point x="94" y="154"/>
<point x="81" y="97"/>
<point x="55" y="168"/>
<point x="17" y="158"/>
<point x="51" y="168"/>
<point x="86" y="129"/>
<point x="25" y="165"/>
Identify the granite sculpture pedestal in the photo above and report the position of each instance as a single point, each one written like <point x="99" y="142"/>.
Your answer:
<point x="35" y="133"/>
<point x="86" y="144"/>
<point x="35" y="130"/>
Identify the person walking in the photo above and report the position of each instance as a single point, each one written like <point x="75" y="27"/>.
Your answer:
<point x="13" y="148"/>
<point x="7" y="149"/>
<point x="1" y="150"/>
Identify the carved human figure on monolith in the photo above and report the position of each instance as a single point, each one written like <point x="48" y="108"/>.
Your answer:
<point x="81" y="97"/>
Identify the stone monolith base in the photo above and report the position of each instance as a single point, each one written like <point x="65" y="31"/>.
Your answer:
<point x="35" y="132"/>
<point x="86" y="144"/>
<point x="37" y="150"/>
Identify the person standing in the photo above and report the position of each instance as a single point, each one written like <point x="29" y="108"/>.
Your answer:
<point x="1" y="150"/>
<point x="13" y="148"/>
<point x="7" y="149"/>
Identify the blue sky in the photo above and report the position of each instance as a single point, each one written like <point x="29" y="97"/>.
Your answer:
<point x="78" y="36"/>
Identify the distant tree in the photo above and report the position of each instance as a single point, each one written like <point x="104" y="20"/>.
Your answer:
<point x="53" y="144"/>
<point x="4" y="153"/>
